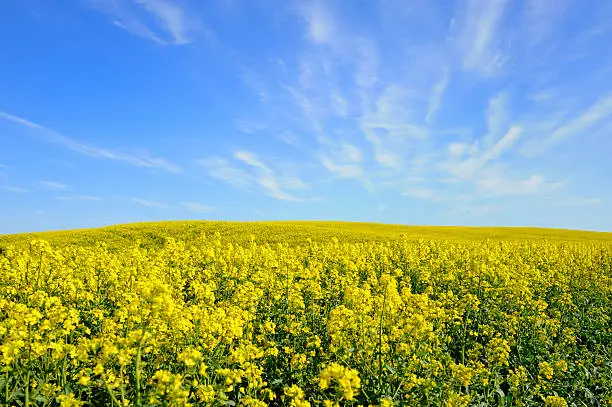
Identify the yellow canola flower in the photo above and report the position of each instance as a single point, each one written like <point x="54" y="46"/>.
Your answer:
<point x="207" y="319"/>
<point x="555" y="401"/>
<point x="190" y="357"/>
<point x="346" y="379"/>
<point x="69" y="401"/>
<point x="546" y="370"/>
<point x="498" y="352"/>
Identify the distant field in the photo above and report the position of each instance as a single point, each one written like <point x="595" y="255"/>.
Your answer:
<point x="298" y="232"/>
<point x="340" y="314"/>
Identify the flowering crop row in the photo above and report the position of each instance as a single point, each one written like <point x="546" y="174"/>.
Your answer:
<point x="218" y="323"/>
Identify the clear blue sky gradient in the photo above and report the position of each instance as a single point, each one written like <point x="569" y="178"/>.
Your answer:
<point x="437" y="112"/>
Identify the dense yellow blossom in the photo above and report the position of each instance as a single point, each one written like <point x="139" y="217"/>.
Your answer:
<point x="346" y="379"/>
<point x="212" y="321"/>
<point x="555" y="401"/>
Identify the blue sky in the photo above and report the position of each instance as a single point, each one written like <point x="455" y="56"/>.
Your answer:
<point x="441" y="112"/>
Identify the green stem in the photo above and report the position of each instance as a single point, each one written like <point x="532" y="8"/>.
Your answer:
<point x="137" y="373"/>
<point x="380" y="337"/>
<point x="64" y="373"/>
<point x="287" y="293"/>
<point x="123" y="403"/>
<point x="113" y="398"/>
<point x="464" y="335"/>
<point x="27" y="390"/>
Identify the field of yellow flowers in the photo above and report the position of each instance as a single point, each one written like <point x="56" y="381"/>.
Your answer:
<point x="217" y="320"/>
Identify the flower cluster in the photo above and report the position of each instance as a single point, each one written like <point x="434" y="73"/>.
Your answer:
<point x="218" y="322"/>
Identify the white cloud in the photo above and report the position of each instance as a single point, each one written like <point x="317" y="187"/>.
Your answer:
<point x="171" y="17"/>
<point x="503" y="187"/>
<point x="368" y="63"/>
<point x="249" y="127"/>
<point x="497" y="116"/>
<point x="473" y="210"/>
<point x="393" y="117"/>
<point x="142" y="160"/>
<point x="349" y="153"/>
<point x="576" y="202"/>
<point x="386" y="158"/>
<point x="504" y="144"/>
<point x="223" y="170"/>
<point x="294" y="183"/>
<point x="78" y="198"/>
<point x="343" y="170"/>
<point x="425" y="194"/>
<point x="271" y="185"/>
<point x="253" y="173"/>
<point x="541" y="18"/>
<point x="147" y="203"/>
<point x="435" y="101"/>
<point x="14" y="189"/>
<point x="393" y="107"/>
<point x="343" y="159"/>
<point x="256" y="84"/>
<point x="266" y="178"/>
<point x="458" y="149"/>
<point x="339" y="105"/>
<point x="21" y="121"/>
<point x="386" y="91"/>
<point x="196" y="207"/>
<point x="595" y="114"/>
<point x="53" y="185"/>
<point x="321" y="27"/>
<point x="478" y="37"/>
<point x="162" y="21"/>
<point x="250" y="159"/>
<point x="470" y="167"/>
<point x="139" y="29"/>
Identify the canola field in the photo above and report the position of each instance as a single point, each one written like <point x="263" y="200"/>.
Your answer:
<point x="210" y="314"/>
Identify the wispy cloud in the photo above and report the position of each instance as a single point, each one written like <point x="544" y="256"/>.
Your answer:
<point x="366" y="75"/>
<point x="425" y="194"/>
<point x="249" y="127"/>
<point x="458" y="149"/>
<point x="52" y="136"/>
<point x="470" y="167"/>
<point x="14" y="189"/>
<point x="479" y="24"/>
<point x="504" y="144"/>
<point x="147" y="203"/>
<point x="448" y="105"/>
<point x="321" y="26"/>
<point x="196" y="207"/>
<point x="497" y="117"/>
<point x="343" y="170"/>
<point x="541" y="19"/>
<point x="267" y="178"/>
<point x="52" y="185"/>
<point x="595" y="114"/>
<point x="78" y="198"/>
<point x="344" y="161"/>
<point x="504" y="187"/>
<point x="246" y="171"/>
<point x="435" y="101"/>
<point x="575" y="202"/>
<point x="162" y="21"/>
<point x="223" y="170"/>
<point x="474" y="210"/>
